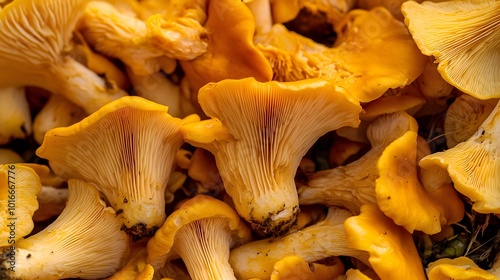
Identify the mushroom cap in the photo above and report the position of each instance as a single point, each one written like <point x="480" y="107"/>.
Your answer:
<point x="353" y="185"/>
<point x="123" y="36"/>
<point x="461" y="268"/>
<point x="85" y="241"/>
<point x="19" y="186"/>
<point x="292" y="267"/>
<point x="464" y="116"/>
<point x="200" y="207"/>
<point x="127" y="149"/>
<point x="398" y="187"/>
<point x="408" y="99"/>
<point x="464" y="41"/>
<point x="393" y="254"/>
<point x="230" y="27"/>
<point x="254" y="134"/>
<point x="365" y="60"/>
<point x="34" y="45"/>
<point x="473" y="165"/>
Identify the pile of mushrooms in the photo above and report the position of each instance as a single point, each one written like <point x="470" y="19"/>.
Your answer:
<point x="256" y="139"/>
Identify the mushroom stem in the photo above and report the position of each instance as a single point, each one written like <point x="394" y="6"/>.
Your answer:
<point x="321" y="240"/>
<point x="353" y="185"/>
<point x="82" y="86"/>
<point x="205" y="255"/>
<point x="261" y="10"/>
<point x="15" y="114"/>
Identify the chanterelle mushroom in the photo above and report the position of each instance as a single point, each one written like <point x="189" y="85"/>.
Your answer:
<point x="353" y="185"/>
<point x="126" y="37"/>
<point x="230" y="28"/>
<point x="474" y="165"/>
<point x="19" y="186"/>
<point x="35" y="37"/>
<point x="393" y="254"/>
<point x="258" y="134"/>
<point x="85" y="241"/>
<point x="365" y="60"/>
<point x="464" y="41"/>
<point x="321" y="240"/>
<point x="201" y="232"/>
<point x="126" y="149"/>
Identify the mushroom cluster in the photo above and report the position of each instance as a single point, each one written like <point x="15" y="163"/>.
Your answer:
<point x="256" y="139"/>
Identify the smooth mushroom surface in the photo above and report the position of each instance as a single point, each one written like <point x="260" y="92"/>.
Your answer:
<point x="393" y="254"/>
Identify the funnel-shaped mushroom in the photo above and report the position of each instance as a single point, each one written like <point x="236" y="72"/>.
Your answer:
<point x="474" y="165"/>
<point x="464" y="41"/>
<point x="33" y="45"/>
<point x="19" y="186"/>
<point x="85" y="241"/>
<point x="15" y="115"/>
<point x="393" y="254"/>
<point x="366" y="59"/>
<point x="230" y="27"/>
<point x="126" y="149"/>
<point x="127" y="38"/>
<point x="402" y="197"/>
<point x="461" y="268"/>
<point x="201" y="232"/>
<point x="321" y="240"/>
<point x="258" y="134"/>
<point x="353" y="185"/>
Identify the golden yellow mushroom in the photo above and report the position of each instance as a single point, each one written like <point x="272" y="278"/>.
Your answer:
<point x="230" y="53"/>
<point x="40" y="59"/>
<point x="201" y="232"/>
<point x="464" y="41"/>
<point x="85" y="241"/>
<point x="464" y="116"/>
<point x="393" y="254"/>
<point x="366" y="59"/>
<point x="19" y="187"/>
<point x="473" y="165"/>
<point x="461" y="268"/>
<point x="127" y="149"/>
<point x="258" y="134"/>
<point x="321" y="240"/>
